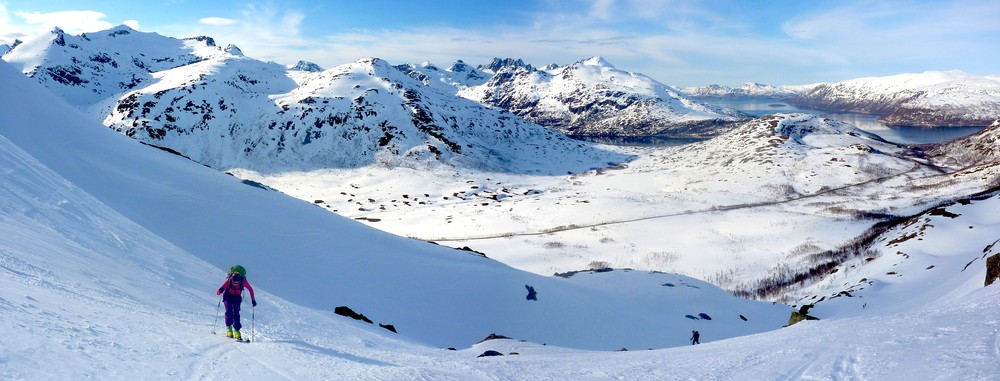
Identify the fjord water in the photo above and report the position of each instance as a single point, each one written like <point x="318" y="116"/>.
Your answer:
<point x="905" y="135"/>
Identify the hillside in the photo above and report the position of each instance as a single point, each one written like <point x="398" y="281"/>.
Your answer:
<point x="925" y="99"/>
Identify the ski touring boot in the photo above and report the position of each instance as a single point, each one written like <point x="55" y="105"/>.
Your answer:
<point x="229" y="331"/>
<point x="237" y="336"/>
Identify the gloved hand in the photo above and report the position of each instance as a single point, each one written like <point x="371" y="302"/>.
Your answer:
<point x="220" y="290"/>
<point x="253" y="302"/>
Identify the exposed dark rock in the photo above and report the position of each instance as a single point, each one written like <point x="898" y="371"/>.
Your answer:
<point x="346" y="311"/>
<point x="493" y="336"/>
<point x="490" y="353"/>
<point x="992" y="269"/>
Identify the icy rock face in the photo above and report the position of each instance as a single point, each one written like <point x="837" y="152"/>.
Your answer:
<point x="593" y="98"/>
<point x="928" y="99"/>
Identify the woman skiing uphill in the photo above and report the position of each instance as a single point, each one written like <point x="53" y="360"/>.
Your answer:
<point x="232" y="296"/>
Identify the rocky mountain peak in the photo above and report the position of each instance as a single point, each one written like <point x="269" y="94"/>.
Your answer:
<point x="306" y="66"/>
<point x="505" y="64"/>
<point x="597" y="61"/>
<point x="120" y="30"/>
<point x="58" y="36"/>
<point x="460" y="67"/>
<point x="234" y="50"/>
<point x="206" y="39"/>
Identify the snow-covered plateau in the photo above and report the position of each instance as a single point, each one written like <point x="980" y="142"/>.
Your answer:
<point x="373" y="186"/>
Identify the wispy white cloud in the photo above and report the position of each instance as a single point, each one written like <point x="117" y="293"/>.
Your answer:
<point x="70" y="21"/>
<point x="882" y="35"/>
<point x="217" y="21"/>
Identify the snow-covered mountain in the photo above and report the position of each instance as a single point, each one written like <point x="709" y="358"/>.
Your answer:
<point x="933" y="98"/>
<point x="457" y="76"/>
<point x="226" y="110"/>
<point x="306" y="66"/>
<point x="747" y="90"/>
<point x="92" y="67"/>
<point x="593" y="98"/>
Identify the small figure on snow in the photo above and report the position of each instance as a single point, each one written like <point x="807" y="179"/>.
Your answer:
<point x="232" y="296"/>
<point x="695" y="338"/>
<point x="531" y="293"/>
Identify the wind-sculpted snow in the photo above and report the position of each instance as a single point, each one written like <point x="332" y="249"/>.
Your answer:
<point x="928" y="99"/>
<point x="225" y="110"/>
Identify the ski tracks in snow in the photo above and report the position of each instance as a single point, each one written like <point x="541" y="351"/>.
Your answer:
<point x="840" y="364"/>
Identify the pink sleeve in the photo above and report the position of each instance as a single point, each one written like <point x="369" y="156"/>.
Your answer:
<point x="247" y="284"/>
<point x="223" y="287"/>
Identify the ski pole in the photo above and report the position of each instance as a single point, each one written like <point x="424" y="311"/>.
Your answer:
<point x="217" y="308"/>
<point x="253" y="321"/>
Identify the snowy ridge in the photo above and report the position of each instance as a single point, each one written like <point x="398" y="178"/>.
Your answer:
<point x="457" y="76"/>
<point x="226" y="110"/>
<point x="91" y="67"/>
<point x="976" y="153"/>
<point x="950" y="98"/>
<point x="593" y="98"/>
<point x="801" y="153"/>
<point x="747" y="90"/>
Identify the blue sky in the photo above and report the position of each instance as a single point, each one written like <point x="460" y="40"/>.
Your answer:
<point x="679" y="43"/>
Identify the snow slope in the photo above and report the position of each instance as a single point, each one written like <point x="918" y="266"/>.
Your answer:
<point x="933" y="98"/>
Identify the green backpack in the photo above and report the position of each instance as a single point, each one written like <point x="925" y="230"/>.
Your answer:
<point x="238" y="269"/>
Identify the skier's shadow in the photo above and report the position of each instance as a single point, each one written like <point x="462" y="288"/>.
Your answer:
<point x="330" y="352"/>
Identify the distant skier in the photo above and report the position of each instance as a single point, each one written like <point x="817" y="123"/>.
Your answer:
<point x="695" y="338"/>
<point x="532" y="295"/>
<point x="232" y="296"/>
